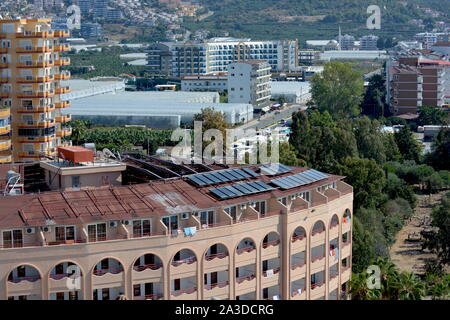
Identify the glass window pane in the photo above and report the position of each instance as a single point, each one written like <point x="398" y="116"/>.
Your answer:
<point x="60" y="234"/>
<point x="70" y="233"/>
<point x="92" y="232"/>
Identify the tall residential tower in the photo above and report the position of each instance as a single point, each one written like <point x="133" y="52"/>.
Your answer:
<point x="30" y="85"/>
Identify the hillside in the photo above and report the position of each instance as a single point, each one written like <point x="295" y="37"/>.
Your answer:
<point x="315" y="19"/>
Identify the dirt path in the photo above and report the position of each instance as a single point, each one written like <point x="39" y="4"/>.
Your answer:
<point x="408" y="255"/>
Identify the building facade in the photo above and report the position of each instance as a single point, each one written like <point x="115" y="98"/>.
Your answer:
<point x="178" y="240"/>
<point x="31" y="61"/>
<point x="217" y="83"/>
<point x="249" y="82"/>
<point x="414" y="82"/>
<point x="369" y="43"/>
<point x="5" y="130"/>
<point x="213" y="56"/>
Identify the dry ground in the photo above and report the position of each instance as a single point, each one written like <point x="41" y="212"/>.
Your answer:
<point x="408" y="255"/>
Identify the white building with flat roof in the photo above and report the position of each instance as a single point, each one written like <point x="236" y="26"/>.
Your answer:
<point x="291" y="91"/>
<point x="249" y="82"/>
<point x="217" y="83"/>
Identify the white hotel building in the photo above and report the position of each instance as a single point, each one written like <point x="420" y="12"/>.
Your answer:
<point x="214" y="55"/>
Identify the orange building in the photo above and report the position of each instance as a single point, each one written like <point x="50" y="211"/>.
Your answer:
<point x="30" y="84"/>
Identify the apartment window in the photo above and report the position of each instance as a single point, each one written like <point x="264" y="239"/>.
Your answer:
<point x="207" y="217"/>
<point x="12" y="239"/>
<point x="141" y="228"/>
<point x="171" y="222"/>
<point x="65" y="233"/>
<point x="261" y="207"/>
<point x="97" y="232"/>
<point x="60" y="296"/>
<point x="137" y="290"/>
<point x="305" y="195"/>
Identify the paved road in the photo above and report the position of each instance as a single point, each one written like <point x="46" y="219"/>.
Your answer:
<point x="273" y="118"/>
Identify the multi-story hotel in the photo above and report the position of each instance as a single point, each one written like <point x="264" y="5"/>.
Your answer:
<point x="30" y="84"/>
<point x="178" y="59"/>
<point x="253" y="232"/>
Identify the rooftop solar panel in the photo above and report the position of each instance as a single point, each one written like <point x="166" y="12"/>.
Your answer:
<point x="274" y="169"/>
<point x="299" y="179"/>
<point x="250" y="172"/>
<point x="239" y="189"/>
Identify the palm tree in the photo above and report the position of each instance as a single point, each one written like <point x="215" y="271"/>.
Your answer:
<point x="78" y="130"/>
<point x="359" y="289"/>
<point x="409" y="287"/>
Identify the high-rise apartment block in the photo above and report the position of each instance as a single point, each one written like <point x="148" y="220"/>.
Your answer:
<point x="214" y="55"/>
<point x="249" y="82"/>
<point x="30" y="85"/>
<point x="369" y="43"/>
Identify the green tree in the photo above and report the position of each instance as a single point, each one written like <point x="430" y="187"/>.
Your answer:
<point x="431" y="116"/>
<point x="374" y="99"/>
<point x="78" y="131"/>
<point x="367" y="179"/>
<point x="339" y="90"/>
<point x="408" y="146"/>
<point x="438" y="158"/>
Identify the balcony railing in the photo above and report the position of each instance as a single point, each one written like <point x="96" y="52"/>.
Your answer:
<point x="296" y="292"/>
<point x="189" y="260"/>
<point x="220" y="255"/>
<point x="33" y="278"/>
<point x="315" y="232"/>
<point x="275" y="271"/>
<point x="333" y="274"/>
<point x="216" y="285"/>
<point x="318" y="258"/>
<point x="102" y="272"/>
<point x="245" y="249"/>
<point x="270" y="243"/>
<point x="245" y="278"/>
<point x="297" y="265"/>
<point x="151" y="266"/>
<point x="177" y="293"/>
<point x="59" y="276"/>
<point x="31" y="49"/>
<point x="154" y="296"/>
<point x="317" y="285"/>
<point x="298" y="237"/>
<point x="35" y="34"/>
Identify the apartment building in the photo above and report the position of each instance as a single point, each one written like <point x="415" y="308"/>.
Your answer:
<point x="428" y="39"/>
<point x="249" y="82"/>
<point x="238" y="232"/>
<point x="209" y="82"/>
<point x="415" y="82"/>
<point x="5" y="130"/>
<point x="369" y="43"/>
<point x="30" y="84"/>
<point x="214" y="55"/>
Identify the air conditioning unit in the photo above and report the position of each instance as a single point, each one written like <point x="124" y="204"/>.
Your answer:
<point x="30" y="230"/>
<point x="46" y="229"/>
<point x="126" y="222"/>
<point x="113" y="224"/>
<point x="185" y="216"/>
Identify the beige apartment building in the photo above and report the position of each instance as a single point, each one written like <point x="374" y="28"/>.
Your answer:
<point x="30" y="84"/>
<point x="250" y="232"/>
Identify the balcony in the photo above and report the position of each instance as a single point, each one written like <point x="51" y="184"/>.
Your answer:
<point x="4" y="50"/>
<point x="216" y="289"/>
<point x="35" y="94"/>
<point x="299" y="294"/>
<point x="24" y="285"/>
<point x="4" y="79"/>
<point x="153" y="296"/>
<point x="345" y="274"/>
<point x="4" y="65"/>
<point x="5" y="112"/>
<point x="184" y="267"/>
<point x="4" y="94"/>
<point x="62" y="48"/>
<point x="31" y="79"/>
<point x="317" y="262"/>
<point x="216" y="261"/>
<point x="37" y="124"/>
<point x="33" y="64"/>
<point x="5" y="159"/>
<point x="245" y="255"/>
<point x="184" y="294"/>
<point x="245" y="284"/>
<point x="34" y="34"/>
<point x="62" y="104"/>
<point x="35" y="109"/>
<point x="64" y="132"/>
<point x="148" y="273"/>
<point x="298" y="270"/>
<point x="5" y="144"/>
<point x="61" y="34"/>
<point x="5" y="130"/>
<point x="270" y="277"/>
<point x="62" y="62"/>
<point x="270" y="249"/>
<point x="65" y="75"/>
<point x="108" y="278"/>
<point x="30" y="49"/>
<point x="62" y="90"/>
<point x="317" y="289"/>
<point x="63" y="118"/>
<point x="35" y="154"/>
